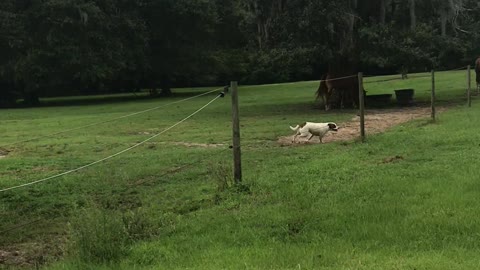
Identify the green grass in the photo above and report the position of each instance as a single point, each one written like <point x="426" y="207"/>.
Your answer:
<point x="330" y="206"/>
<point x="449" y="86"/>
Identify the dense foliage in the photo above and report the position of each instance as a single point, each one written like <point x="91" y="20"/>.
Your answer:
<point x="67" y="47"/>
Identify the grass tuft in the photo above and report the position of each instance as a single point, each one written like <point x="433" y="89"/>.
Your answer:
<point x="100" y="236"/>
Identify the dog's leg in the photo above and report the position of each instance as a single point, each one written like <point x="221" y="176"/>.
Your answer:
<point x="310" y="137"/>
<point x="294" y="137"/>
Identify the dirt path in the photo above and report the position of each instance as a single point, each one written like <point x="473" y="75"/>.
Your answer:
<point x="376" y="121"/>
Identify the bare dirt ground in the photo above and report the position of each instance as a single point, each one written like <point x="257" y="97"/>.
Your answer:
<point x="29" y="256"/>
<point x="13" y="258"/>
<point x="3" y="153"/>
<point x="188" y="144"/>
<point x="376" y="121"/>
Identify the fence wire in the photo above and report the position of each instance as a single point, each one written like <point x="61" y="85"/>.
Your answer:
<point x="109" y="120"/>
<point x="113" y="155"/>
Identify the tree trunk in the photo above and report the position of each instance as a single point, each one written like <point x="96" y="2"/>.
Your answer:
<point x="443" y="23"/>
<point x="165" y="85"/>
<point x="166" y="92"/>
<point x="31" y="98"/>
<point x="260" y="34"/>
<point x="260" y="25"/>
<point x="264" y="19"/>
<point x="345" y="91"/>
<point x="348" y="44"/>
<point x="7" y="100"/>
<point x="153" y="92"/>
<point x="413" y="16"/>
<point x="383" y="11"/>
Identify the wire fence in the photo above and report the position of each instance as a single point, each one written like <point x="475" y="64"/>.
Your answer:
<point x="109" y="120"/>
<point x="113" y="155"/>
<point x="167" y="129"/>
<point x="339" y="78"/>
<point x="407" y="76"/>
<point x="177" y="168"/>
<point x="168" y="172"/>
<point x="437" y="91"/>
<point x="19" y="226"/>
<point x="196" y="163"/>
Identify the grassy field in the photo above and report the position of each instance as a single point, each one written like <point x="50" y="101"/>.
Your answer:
<point x="405" y="199"/>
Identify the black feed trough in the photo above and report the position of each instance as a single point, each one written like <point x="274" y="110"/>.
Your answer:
<point x="378" y="100"/>
<point x="404" y="96"/>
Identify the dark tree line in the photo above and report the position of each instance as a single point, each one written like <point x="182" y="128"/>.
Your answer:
<point x="69" y="47"/>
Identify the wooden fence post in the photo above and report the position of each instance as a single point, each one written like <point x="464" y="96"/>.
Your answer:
<point x="237" y="161"/>
<point x="433" y="96"/>
<point x="361" y="99"/>
<point x="469" y="86"/>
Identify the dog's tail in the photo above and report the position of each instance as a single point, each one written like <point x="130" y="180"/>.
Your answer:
<point x="295" y="128"/>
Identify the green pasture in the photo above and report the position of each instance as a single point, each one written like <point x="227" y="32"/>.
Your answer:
<point x="406" y="199"/>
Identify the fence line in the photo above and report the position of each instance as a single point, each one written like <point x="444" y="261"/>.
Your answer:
<point x="171" y="171"/>
<point x="116" y="154"/>
<point x="16" y="227"/>
<point x="339" y="78"/>
<point x="410" y="77"/>
<point x="183" y="166"/>
<point x="352" y="76"/>
<point x="392" y="79"/>
<point x="110" y="120"/>
<point x="156" y="135"/>
<point x="384" y="80"/>
<point x="455" y="69"/>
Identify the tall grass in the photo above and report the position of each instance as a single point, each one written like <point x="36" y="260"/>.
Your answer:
<point x="99" y="236"/>
<point x="105" y="236"/>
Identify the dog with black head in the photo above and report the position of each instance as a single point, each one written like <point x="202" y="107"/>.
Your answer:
<point x="313" y="129"/>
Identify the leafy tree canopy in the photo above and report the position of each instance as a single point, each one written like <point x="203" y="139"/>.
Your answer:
<point x="68" y="47"/>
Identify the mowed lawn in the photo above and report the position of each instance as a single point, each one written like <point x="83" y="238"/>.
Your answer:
<point x="406" y="199"/>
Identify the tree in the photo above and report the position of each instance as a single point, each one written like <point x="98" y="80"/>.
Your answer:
<point x="413" y="15"/>
<point x="12" y="38"/>
<point x="66" y="47"/>
<point x="449" y="11"/>
<point x="180" y="35"/>
<point x="77" y="46"/>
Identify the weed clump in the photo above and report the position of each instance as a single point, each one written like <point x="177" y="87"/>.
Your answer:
<point x="101" y="236"/>
<point x="222" y="175"/>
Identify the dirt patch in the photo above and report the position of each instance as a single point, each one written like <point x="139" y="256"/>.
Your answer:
<point x="376" y="121"/>
<point x="392" y="159"/>
<point x="143" y="133"/>
<point x="199" y="145"/>
<point x="12" y="258"/>
<point x="29" y="255"/>
<point x="3" y="153"/>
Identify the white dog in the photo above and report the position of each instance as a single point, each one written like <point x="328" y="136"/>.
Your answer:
<point x="315" y="129"/>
